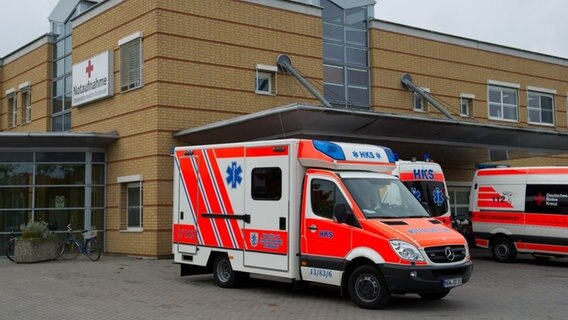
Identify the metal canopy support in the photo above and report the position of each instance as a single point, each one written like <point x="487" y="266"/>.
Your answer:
<point x="285" y="64"/>
<point x="406" y="80"/>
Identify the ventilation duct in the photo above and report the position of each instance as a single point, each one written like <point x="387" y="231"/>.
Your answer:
<point x="285" y="64"/>
<point x="406" y="80"/>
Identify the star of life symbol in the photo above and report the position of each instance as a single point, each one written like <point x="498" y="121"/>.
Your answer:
<point x="438" y="196"/>
<point x="254" y="239"/>
<point x="355" y="154"/>
<point x="417" y="194"/>
<point x="234" y="172"/>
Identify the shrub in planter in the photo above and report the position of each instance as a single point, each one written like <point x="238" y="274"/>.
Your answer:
<point x="36" y="244"/>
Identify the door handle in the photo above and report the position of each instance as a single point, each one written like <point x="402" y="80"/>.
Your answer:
<point x="313" y="228"/>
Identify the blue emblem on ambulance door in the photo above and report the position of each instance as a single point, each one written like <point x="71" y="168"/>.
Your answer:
<point x="254" y="239"/>
<point x="438" y="197"/>
<point x="234" y="172"/>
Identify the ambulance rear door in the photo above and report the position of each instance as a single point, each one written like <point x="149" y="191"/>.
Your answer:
<point x="267" y="185"/>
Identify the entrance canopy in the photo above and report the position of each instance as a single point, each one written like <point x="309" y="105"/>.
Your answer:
<point x="447" y="141"/>
<point x="56" y="139"/>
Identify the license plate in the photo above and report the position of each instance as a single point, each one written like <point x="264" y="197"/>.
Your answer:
<point x="450" y="283"/>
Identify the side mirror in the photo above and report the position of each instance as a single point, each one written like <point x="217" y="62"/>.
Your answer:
<point x="340" y="213"/>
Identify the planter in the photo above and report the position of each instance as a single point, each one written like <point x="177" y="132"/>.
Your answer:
<point x="36" y="250"/>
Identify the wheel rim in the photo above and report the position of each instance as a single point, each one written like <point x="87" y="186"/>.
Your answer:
<point x="502" y="250"/>
<point x="224" y="271"/>
<point x="367" y="288"/>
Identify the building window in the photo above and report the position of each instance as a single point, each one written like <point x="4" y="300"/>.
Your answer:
<point x="466" y="105"/>
<point x="26" y="104"/>
<point x="345" y="55"/>
<point x="62" y="77"/>
<point x="131" y="62"/>
<point x="12" y="110"/>
<point x="266" y="184"/>
<point x="540" y="108"/>
<point x="265" y="79"/>
<point x="134" y="205"/>
<point x="131" y="203"/>
<point x="419" y="103"/>
<point x="503" y="103"/>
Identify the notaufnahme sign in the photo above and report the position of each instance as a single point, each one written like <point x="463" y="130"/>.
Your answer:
<point x="92" y="79"/>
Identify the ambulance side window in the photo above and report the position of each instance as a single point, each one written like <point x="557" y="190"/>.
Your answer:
<point x="547" y="199"/>
<point x="266" y="184"/>
<point x="324" y="195"/>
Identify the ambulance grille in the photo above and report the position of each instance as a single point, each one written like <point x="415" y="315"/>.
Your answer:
<point x="446" y="254"/>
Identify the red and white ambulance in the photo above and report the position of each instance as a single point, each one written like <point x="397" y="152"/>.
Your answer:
<point x="426" y="182"/>
<point x="310" y="211"/>
<point x="521" y="210"/>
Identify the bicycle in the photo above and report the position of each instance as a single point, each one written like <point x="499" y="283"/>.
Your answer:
<point x="11" y="245"/>
<point x="71" y="247"/>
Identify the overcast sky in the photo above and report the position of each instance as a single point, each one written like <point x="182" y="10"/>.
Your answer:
<point x="534" y="25"/>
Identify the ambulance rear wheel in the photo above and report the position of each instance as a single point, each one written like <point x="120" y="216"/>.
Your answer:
<point x="367" y="288"/>
<point x="223" y="273"/>
<point x="503" y="250"/>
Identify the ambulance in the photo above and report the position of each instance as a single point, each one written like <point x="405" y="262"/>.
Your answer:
<point x="521" y="210"/>
<point x="309" y="211"/>
<point x="426" y="182"/>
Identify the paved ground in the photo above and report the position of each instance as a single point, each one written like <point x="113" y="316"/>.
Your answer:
<point x="128" y="288"/>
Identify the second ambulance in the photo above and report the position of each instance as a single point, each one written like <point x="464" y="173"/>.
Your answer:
<point x="310" y="211"/>
<point x="426" y="182"/>
<point x="523" y="209"/>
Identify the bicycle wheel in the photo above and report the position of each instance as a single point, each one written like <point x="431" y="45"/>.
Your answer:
<point x="69" y="250"/>
<point x="10" y="248"/>
<point x="92" y="249"/>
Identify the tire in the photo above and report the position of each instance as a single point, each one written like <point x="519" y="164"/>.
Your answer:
<point x="10" y="249"/>
<point x="503" y="250"/>
<point x="92" y="249"/>
<point x="69" y="250"/>
<point x="435" y="295"/>
<point x="223" y="273"/>
<point x="368" y="288"/>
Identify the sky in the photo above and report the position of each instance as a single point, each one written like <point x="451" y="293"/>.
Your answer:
<point x="533" y="25"/>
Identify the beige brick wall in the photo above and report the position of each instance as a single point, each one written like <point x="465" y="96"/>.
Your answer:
<point x="199" y="67"/>
<point x="449" y="70"/>
<point x="35" y="68"/>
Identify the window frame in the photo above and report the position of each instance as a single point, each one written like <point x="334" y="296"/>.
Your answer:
<point x="266" y="72"/>
<point x="131" y="77"/>
<point x="416" y="98"/>
<point x="125" y="183"/>
<point x="493" y="85"/>
<point x="139" y="206"/>
<point x="12" y="99"/>
<point x="464" y="97"/>
<point x="540" y="93"/>
<point x="26" y="109"/>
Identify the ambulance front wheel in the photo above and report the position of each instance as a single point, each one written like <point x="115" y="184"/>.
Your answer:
<point x="367" y="288"/>
<point x="224" y="275"/>
<point x="503" y="250"/>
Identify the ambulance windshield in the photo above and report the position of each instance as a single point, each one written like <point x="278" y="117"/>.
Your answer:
<point x="384" y="198"/>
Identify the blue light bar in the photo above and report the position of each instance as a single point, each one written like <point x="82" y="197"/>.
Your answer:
<point x="393" y="157"/>
<point x="330" y="149"/>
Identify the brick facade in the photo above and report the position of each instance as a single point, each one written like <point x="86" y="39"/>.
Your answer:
<point x="199" y="61"/>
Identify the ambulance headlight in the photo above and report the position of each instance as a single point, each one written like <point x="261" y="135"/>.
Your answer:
<point x="406" y="251"/>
